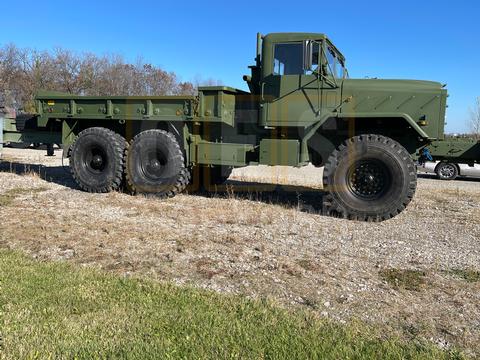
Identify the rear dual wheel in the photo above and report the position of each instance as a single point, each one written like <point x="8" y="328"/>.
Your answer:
<point x="153" y="163"/>
<point x="97" y="160"/>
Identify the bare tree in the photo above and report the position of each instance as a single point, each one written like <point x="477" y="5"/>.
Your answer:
<point x="475" y="119"/>
<point x="200" y="81"/>
<point x="23" y="72"/>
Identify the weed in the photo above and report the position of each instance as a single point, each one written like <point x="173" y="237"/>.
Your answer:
<point x="7" y="197"/>
<point x="404" y="278"/>
<point x="468" y="275"/>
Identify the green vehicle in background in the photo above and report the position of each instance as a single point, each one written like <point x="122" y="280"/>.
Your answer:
<point x="301" y="108"/>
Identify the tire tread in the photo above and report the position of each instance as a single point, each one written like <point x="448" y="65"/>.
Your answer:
<point x="183" y="177"/>
<point x="331" y="206"/>
<point x="119" y="145"/>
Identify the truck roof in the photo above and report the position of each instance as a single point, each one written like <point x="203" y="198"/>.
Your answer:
<point x="299" y="36"/>
<point x="293" y="36"/>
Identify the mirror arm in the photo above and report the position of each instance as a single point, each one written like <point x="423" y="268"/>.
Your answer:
<point x="333" y="75"/>
<point x="307" y="55"/>
<point x="330" y="82"/>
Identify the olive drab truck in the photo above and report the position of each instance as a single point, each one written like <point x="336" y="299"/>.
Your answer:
<point x="301" y="108"/>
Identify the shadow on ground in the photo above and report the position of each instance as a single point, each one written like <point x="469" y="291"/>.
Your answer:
<point x="460" y="178"/>
<point x="56" y="174"/>
<point x="304" y="198"/>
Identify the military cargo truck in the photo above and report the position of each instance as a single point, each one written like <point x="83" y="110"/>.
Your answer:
<point x="452" y="158"/>
<point x="302" y="108"/>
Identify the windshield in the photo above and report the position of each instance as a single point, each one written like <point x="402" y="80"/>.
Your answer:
<point x="335" y="65"/>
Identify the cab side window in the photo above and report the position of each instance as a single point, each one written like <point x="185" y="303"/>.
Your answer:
<point x="288" y="59"/>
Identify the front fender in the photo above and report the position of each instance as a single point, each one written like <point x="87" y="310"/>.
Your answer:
<point x="404" y="116"/>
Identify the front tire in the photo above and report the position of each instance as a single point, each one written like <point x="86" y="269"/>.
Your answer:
<point x="370" y="178"/>
<point x="155" y="164"/>
<point x="97" y="160"/>
<point x="446" y="171"/>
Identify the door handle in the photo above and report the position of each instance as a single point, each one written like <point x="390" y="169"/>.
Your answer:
<point x="262" y="90"/>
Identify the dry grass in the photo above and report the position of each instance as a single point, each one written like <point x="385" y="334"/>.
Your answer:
<point x="271" y="245"/>
<point x="7" y="197"/>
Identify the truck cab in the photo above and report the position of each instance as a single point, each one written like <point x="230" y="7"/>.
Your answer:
<point x="298" y="77"/>
<point x="301" y="81"/>
<point x="302" y="78"/>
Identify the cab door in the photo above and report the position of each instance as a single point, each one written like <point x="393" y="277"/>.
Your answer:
<point x="291" y="94"/>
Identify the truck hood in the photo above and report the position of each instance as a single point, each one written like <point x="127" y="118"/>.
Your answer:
<point x="421" y="103"/>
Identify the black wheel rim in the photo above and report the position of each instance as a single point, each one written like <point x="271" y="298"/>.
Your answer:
<point x="95" y="160"/>
<point x="368" y="179"/>
<point x="153" y="164"/>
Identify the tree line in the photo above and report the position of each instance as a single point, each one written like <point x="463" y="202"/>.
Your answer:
<point x="24" y="71"/>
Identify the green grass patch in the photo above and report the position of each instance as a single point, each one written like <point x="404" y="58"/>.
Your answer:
<point x="55" y="310"/>
<point x="8" y="196"/>
<point x="468" y="275"/>
<point x="412" y="280"/>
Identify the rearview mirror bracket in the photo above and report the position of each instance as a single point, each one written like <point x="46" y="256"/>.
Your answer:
<point x="307" y="55"/>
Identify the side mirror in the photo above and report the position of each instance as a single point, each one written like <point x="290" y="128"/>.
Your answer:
<point x="307" y="55"/>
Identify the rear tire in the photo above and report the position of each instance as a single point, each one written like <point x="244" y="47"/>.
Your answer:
<point x="370" y="178"/>
<point x="155" y="165"/>
<point x="97" y="160"/>
<point x="446" y="171"/>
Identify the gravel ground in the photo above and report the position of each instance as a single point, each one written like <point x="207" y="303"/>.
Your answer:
<point x="415" y="275"/>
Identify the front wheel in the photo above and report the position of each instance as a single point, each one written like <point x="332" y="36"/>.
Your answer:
<point x="369" y="177"/>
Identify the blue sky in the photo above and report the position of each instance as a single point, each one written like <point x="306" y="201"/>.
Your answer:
<point x="431" y="40"/>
